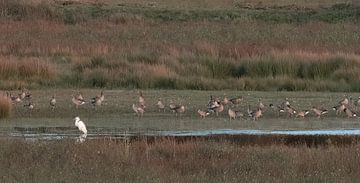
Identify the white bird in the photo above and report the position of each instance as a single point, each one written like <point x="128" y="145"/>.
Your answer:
<point x="81" y="125"/>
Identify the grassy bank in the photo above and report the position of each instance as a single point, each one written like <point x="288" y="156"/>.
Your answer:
<point x="116" y="115"/>
<point x="181" y="45"/>
<point x="166" y="161"/>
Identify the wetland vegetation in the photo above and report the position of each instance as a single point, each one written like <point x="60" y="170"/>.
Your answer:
<point x="172" y="49"/>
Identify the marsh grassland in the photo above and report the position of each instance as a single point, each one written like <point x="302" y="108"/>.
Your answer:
<point x="201" y="45"/>
<point x="184" y="51"/>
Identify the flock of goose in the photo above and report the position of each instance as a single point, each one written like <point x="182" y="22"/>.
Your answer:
<point x="214" y="106"/>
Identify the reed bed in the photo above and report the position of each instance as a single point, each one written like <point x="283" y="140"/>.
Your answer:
<point x="167" y="160"/>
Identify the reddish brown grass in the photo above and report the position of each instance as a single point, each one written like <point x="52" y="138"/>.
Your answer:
<point x="30" y="68"/>
<point x="5" y="106"/>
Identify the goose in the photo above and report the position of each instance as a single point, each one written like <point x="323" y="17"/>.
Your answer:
<point x="218" y="107"/>
<point x="339" y="109"/>
<point x="22" y="95"/>
<point x="344" y="101"/>
<point x="285" y="103"/>
<point x="101" y="96"/>
<point x="97" y="100"/>
<point x="225" y="101"/>
<point x="261" y="105"/>
<point x="357" y="102"/>
<point x="25" y="94"/>
<point x="79" y="96"/>
<point x="349" y="113"/>
<point x="178" y="109"/>
<point x="141" y="100"/>
<point x="160" y="105"/>
<point x="279" y="109"/>
<point x="139" y="110"/>
<point x="29" y="107"/>
<point x="233" y="114"/>
<point x="213" y="101"/>
<point x="302" y="114"/>
<point x="14" y="99"/>
<point x="255" y="114"/>
<point x="319" y="112"/>
<point x="290" y="110"/>
<point x="202" y="114"/>
<point x="77" y="101"/>
<point x="236" y="100"/>
<point x="53" y="102"/>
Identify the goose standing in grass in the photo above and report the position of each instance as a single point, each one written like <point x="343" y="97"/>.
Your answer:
<point x="261" y="105"/>
<point x="225" y="101"/>
<point x="77" y="101"/>
<point x="212" y="101"/>
<point x="255" y="114"/>
<point x="236" y="100"/>
<point x="349" y="113"/>
<point x="160" y="105"/>
<point x="217" y="108"/>
<point x="97" y="100"/>
<point x="290" y="110"/>
<point x="178" y="109"/>
<point x="53" y="102"/>
<point x="344" y="101"/>
<point x="29" y="107"/>
<point x="319" y="112"/>
<point x="22" y="95"/>
<point x="285" y="103"/>
<point x="14" y="99"/>
<point x="233" y="114"/>
<point x="279" y="109"/>
<point x="302" y="114"/>
<point x="142" y="100"/>
<point x="203" y="114"/>
<point x="82" y="128"/>
<point x="357" y="104"/>
<point x="139" y="110"/>
<point x="101" y="96"/>
<point x="339" y="109"/>
<point x="79" y="96"/>
<point x="28" y="95"/>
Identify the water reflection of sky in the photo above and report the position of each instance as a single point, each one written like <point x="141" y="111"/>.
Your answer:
<point x="33" y="135"/>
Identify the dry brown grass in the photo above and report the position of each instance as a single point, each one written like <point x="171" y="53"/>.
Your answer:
<point x="163" y="47"/>
<point x="168" y="161"/>
<point x="5" y="106"/>
<point x="25" y="69"/>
